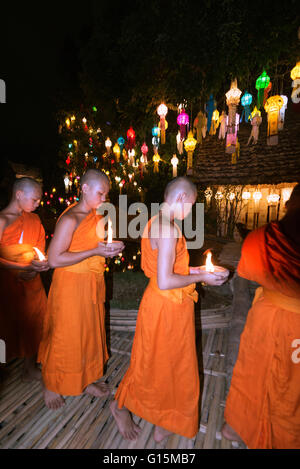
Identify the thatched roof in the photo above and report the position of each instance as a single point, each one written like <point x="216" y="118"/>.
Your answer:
<point x="257" y="164"/>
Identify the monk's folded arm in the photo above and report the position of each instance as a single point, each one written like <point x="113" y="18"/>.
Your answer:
<point x="166" y="278"/>
<point x="58" y="254"/>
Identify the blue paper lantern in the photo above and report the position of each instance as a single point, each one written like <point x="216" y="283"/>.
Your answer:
<point x="246" y="100"/>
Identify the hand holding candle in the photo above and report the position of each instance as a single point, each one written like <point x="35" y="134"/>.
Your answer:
<point x="41" y="264"/>
<point x="213" y="274"/>
<point x="110" y="248"/>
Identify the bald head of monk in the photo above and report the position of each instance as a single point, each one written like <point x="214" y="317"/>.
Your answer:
<point x="27" y="193"/>
<point x="95" y="186"/>
<point x="180" y="195"/>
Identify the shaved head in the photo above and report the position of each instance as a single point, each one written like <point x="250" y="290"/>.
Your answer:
<point x="25" y="185"/>
<point x="177" y="185"/>
<point x="93" y="175"/>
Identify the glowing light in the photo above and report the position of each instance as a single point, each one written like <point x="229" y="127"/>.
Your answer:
<point x="84" y="120"/>
<point x="286" y="194"/>
<point x="209" y="267"/>
<point x="257" y="195"/>
<point x="219" y="195"/>
<point x="233" y="95"/>
<point x="273" y="198"/>
<point x="109" y="231"/>
<point x="162" y="110"/>
<point x="190" y="143"/>
<point x="246" y="195"/>
<point x="108" y="143"/>
<point x="40" y="254"/>
<point x="174" y="162"/>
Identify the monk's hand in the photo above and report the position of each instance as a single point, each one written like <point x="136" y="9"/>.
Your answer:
<point x="27" y="275"/>
<point x="39" y="266"/>
<point x="195" y="270"/>
<point x="214" y="278"/>
<point x="110" y="249"/>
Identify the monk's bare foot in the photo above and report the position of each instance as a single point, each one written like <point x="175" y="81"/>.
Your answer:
<point x="53" y="400"/>
<point x="97" y="390"/>
<point x="160" y="434"/>
<point x="128" y="429"/>
<point x="230" y="434"/>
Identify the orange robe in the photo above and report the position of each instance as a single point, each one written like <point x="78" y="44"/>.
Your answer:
<point x="162" y="382"/>
<point x="263" y="404"/>
<point x="73" y="349"/>
<point x="22" y="302"/>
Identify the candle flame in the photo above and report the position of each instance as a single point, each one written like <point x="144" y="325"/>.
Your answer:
<point x="209" y="267"/>
<point x="40" y="254"/>
<point x="109" y="231"/>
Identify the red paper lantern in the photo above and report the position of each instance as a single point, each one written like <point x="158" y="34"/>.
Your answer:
<point x="131" y="138"/>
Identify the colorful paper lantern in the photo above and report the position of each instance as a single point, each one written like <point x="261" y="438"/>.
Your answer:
<point x="222" y="124"/>
<point x="272" y="107"/>
<point x="108" y="145"/>
<point x="190" y="145"/>
<point x="214" y="122"/>
<point x="200" y="126"/>
<point x="261" y="83"/>
<point x="179" y="143"/>
<point x="130" y="138"/>
<point x="273" y="199"/>
<point x="208" y="195"/>
<point x="174" y="162"/>
<point x="282" y="112"/>
<point x="256" y="120"/>
<point x="210" y="107"/>
<point x="246" y="195"/>
<point x="156" y="135"/>
<point x="117" y="151"/>
<point x="295" y="76"/>
<point x="246" y="101"/>
<point x="183" y="121"/>
<point x="162" y="111"/>
<point x="232" y="100"/>
<point x="156" y="160"/>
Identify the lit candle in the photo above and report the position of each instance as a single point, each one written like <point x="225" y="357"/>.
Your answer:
<point x="210" y="267"/>
<point x="109" y="232"/>
<point x="40" y="254"/>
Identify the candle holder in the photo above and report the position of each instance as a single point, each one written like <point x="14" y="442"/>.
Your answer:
<point x="216" y="268"/>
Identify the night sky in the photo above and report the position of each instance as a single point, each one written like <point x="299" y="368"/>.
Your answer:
<point x="38" y="60"/>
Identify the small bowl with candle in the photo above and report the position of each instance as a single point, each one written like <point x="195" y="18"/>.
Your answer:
<point x="109" y="242"/>
<point x="40" y="262"/>
<point x="211" y="268"/>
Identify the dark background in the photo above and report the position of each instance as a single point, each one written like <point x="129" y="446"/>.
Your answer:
<point x="125" y="58"/>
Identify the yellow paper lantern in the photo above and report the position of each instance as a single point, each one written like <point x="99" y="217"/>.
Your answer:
<point x="156" y="160"/>
<point x="162" y="111"/>
<point x="272" y="107"/>
<point x="117" y="151"/>
<point x="295" y="76"/>
<point x="190" y="145"/>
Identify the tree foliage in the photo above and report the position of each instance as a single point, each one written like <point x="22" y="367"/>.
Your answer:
<point x="147" y="52"/>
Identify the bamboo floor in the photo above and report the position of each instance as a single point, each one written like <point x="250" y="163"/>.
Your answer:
<point x="86" y="423"/>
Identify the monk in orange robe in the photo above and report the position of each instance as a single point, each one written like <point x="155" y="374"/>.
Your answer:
<point x="23" y="299"/>
<point x="263" y="404"/>
<point x="162" y="382"/>
<point x="73" y="349"/>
